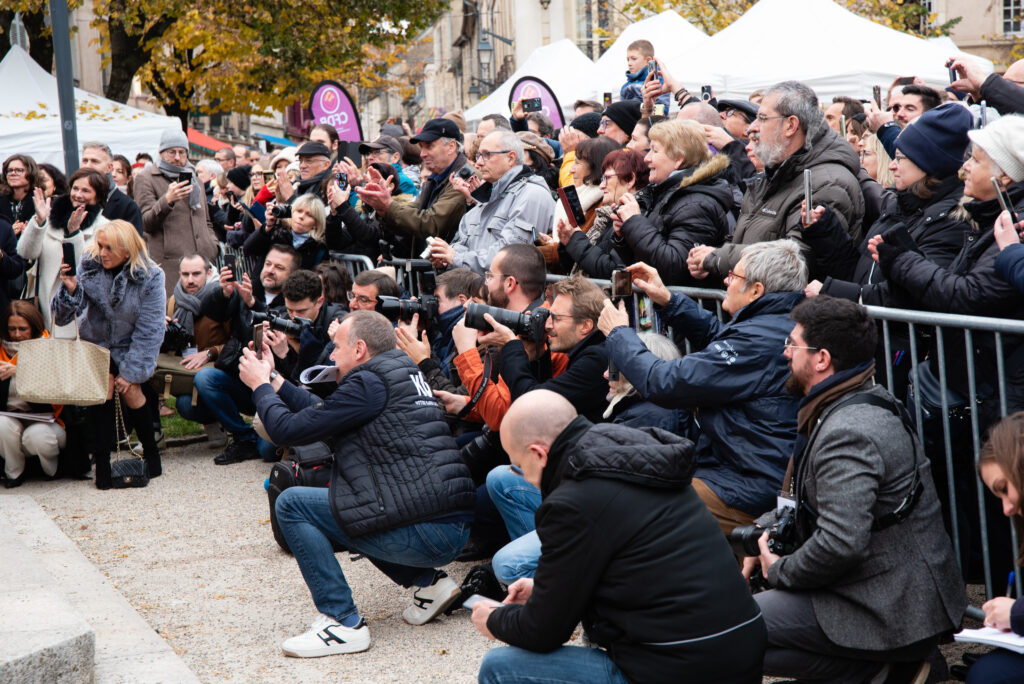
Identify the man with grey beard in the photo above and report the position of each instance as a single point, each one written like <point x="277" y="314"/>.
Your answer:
<point x="789" y="135"/>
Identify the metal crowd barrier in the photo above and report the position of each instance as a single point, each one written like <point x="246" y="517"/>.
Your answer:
<point x="942" y="327"/>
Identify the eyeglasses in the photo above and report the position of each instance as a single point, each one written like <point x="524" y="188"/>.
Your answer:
<point x="484" y="155"/>
<point x="256" y="174"/>
<point x="761" y="118"/>
<point x="488" y="275"/>
<point x="607" y="178"/>
<point x="362" y="299"/>
<point x="788" y="344"/>
<point x="556" y="317"/>
<point x="900" y="157"/>
<point x="731" y="274"/>
<point x="16" y="172"/>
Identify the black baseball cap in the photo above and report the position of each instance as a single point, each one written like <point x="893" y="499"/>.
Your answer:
<point x="438" y="128"/>
<point x="746" y="106"/>
<point x="313" y="148"/>
<point x="383" y="142"/>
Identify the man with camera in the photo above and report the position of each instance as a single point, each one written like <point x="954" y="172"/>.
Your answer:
<point x="299" y="339"/>
<point x="629" y="550"/>
<point x="733" y="379"/>
<point x="513" y="205"/>
<point x="440" y="205"/>
<point x="220" y="396"/>
<point x="399" y="493"/>
<point x="872" y="582"/>
<point x="369" y="285"/>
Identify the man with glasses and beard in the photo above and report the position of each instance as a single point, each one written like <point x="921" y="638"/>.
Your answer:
<point x="789" y="135"/>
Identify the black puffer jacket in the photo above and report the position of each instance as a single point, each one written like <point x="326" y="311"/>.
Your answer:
<point x="689" y="208"/>
<point x="771" y="206"/>
<point x="631" y="551"/>
<point x="592" y="253"/>
<point x="969" y="285"/>
<point x="937" y="225"/>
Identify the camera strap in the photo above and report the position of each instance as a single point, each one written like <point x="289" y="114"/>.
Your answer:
<point x="479" y="390"/>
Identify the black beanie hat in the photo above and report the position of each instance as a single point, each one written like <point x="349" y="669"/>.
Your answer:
<point x="240" y="176"/>
<point x="937" y="141"/>
<point x="587" y="123"/>
<point x="624" y="114"/>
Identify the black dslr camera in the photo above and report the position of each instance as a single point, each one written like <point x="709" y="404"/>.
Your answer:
<point x="281" y="211"/>
<point x="396" y="309"/>
<point x="176" y="338"/>
<point x="290" y="327"/>
<point x="782" y="536"/>
<point x="529" y="325"/>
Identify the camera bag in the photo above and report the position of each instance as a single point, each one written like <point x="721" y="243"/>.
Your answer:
<point x="308" y="466"/>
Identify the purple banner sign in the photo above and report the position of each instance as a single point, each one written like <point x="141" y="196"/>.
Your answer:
<point x="331" y="104"/>
<point x="531" y="86"/>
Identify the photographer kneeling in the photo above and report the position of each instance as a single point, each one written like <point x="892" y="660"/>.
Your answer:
<point x="872" y="582"/>
<point x="399" y="492"/>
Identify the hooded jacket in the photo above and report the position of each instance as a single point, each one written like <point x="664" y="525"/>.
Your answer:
<point x="734" y="381"/>
<point x="688" y="208"/>
<point x="771" y="205"/>
<point x="631" y="551"/>
<point x="514" y="209"/>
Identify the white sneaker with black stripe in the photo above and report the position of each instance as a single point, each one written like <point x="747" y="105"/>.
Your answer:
<point x="429" y="602"/>
<point x="328" y="637"/>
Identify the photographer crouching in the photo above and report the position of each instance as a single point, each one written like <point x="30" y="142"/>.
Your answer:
<point x="399" y="492"/>
<point x="871" y="582"/>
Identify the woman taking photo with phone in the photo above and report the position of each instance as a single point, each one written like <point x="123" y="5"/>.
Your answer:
<point x="118" y="297"/>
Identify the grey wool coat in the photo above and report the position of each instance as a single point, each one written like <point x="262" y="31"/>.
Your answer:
<point x="873" y="590"/>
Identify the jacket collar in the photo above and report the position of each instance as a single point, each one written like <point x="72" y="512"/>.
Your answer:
<point x="830" y="389"/>
<point x="557" y="453"/>
<point x="485" y="192"/>
<point x="985" y="212"/>
<point x="945" y="196"/>
<point x="594" y="338"/>
<point x="770" y="303"/>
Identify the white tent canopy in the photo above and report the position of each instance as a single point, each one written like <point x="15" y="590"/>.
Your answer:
<point x="668" y="32"/>
<point x="561" y="65"/>
<point x="831" y="49"/>
<point x="30" y="116"/>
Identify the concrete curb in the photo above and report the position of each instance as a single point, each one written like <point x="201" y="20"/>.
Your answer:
<point x="126" y="648"/>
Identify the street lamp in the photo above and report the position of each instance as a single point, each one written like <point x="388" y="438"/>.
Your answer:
<point x="485" y="52"/>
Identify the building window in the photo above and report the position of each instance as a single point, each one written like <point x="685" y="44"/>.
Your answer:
<point x="1012" y="16"/>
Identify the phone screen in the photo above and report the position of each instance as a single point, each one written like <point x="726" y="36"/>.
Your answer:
<point x="230" y="262"/>
<point x="532" y="104"/>
<point x="257" y="340"/>
<point x="573" y="208"/>
<point x="622" y="283"/>
<point x="607" y="99"/>
<point x="807" y="191"/>
<point x="705" y="93"/>
<point x="184" y="177"/>
<point x="473" y="600"/>
<point x="268" y="176"/>
<point x="1004" y="200"/>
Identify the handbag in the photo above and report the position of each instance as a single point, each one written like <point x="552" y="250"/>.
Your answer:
<point x="131" y="470"/>
<point x="62" y="371"/>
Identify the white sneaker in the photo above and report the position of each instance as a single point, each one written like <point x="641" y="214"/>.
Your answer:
<point x="429" y="602"/>
<point x="328" y="637"/>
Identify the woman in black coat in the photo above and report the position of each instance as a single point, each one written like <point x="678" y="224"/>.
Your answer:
<point x="690" y="203"/>
<point x="304" y="231"/>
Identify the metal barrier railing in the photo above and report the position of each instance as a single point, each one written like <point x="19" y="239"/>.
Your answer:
<point x="939" y="331"/>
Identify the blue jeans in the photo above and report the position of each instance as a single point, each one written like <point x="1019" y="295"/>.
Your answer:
<point x="511" y="665"/>
<point x="403" y="554"/>
<point x="998" y="667"/>
<point x="221" y="399"/>
<point x="517" y="500"/>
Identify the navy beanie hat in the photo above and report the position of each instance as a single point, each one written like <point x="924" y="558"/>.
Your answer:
<point x="587" y="123"/>
<point x="624" y="113"/>
<point x="937" y="141"/>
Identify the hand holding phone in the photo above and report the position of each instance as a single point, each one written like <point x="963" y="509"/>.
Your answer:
<point x="1004" y="200"/>
<point x="231" y="262"/>
<point x="807" y="190"/>
<point x="532" y="104"/>
<point x="69" y="257"/>
<point x="185" y="178"/>
<point x="257" y="340"/>
<point x="622" y="283"/>
<point x="572" y="205"/>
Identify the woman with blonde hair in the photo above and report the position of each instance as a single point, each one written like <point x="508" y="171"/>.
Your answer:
<point x="117" y="294"/>
<point x="690" y="203"/>
<point x="304" y="231"/>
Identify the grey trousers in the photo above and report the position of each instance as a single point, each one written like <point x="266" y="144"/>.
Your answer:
<point x="799" y="649"/>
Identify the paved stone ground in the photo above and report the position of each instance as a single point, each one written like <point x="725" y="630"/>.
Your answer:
<point x="194" y="555"/>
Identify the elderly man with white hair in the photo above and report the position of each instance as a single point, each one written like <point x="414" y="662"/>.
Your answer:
<point x="513" y="205"/>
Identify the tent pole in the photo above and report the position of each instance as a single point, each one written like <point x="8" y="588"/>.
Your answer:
<point x="65" y="85"/>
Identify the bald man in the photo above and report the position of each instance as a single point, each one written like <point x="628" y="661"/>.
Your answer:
<point x="629" y="550"/>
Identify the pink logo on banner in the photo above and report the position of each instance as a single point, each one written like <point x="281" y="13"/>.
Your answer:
<point x="331" y="104"/>
<point x="528" y="86"/>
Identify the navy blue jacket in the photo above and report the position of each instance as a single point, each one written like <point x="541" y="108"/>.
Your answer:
<point x="734" y="382"/>
<point x="1010" y="266"/>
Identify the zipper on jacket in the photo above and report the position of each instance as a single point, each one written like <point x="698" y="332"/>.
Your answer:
<point x="376" y="490"/>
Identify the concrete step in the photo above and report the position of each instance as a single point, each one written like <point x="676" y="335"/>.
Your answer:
<point x="126" y="648"/>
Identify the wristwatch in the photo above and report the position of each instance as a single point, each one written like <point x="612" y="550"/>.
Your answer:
<point x="273" y="375"/>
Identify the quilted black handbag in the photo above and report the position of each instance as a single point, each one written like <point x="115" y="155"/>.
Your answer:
<point x="129" y="471"/>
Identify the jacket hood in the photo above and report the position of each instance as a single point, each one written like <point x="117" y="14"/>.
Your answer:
<point x="826" y="147"/>
<point x="708" y="178"/>
<point x="650" y="457"/>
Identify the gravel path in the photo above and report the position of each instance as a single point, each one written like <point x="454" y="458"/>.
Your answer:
<point x="194" y="555"/>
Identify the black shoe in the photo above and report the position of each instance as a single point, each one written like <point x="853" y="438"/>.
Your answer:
<point x="237" y="452"/>
<point x="11" y="483"/>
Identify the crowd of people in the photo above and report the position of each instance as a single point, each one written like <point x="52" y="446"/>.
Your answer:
<point x="558" y="432"/>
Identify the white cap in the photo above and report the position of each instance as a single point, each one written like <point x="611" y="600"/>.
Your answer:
<point x="1003" y="141"/>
